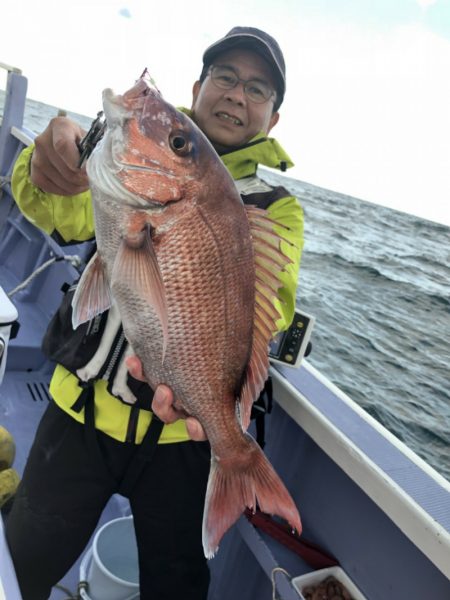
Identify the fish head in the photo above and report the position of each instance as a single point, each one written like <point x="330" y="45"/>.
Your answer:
<point x="152" y="155"/>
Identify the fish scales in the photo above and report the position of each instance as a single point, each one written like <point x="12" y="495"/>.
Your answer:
<point x="199" y="361"/>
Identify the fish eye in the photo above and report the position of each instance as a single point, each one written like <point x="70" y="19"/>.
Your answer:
<point x="179" y="143"/>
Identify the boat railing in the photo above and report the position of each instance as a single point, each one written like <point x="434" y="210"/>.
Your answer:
<point x="10" y="68"/>
<point x="26" y="250"/>
<point x="12" y="130"/>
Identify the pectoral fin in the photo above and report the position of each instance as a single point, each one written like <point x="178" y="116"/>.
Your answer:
<point x="93" y="294"/>
<point x="136" y="266"/>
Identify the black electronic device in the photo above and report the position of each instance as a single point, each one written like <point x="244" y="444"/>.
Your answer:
<point x="289" y="347"/>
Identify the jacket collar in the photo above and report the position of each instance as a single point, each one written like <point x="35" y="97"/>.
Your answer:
<point x="260" y="150"/>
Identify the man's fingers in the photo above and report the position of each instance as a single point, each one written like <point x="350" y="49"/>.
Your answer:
<point x="162" y="405"/>
<point x="66" y="136"/>
<point x="134" y="366"/>
<point x="51" y="182"/>
<point x="54" y="165"/>
<point x="195" y="430"/>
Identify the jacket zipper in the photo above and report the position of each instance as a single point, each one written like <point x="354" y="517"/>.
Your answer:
<point x="113" y="358"/>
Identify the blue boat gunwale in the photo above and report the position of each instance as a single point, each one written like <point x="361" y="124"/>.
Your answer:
<point x="419" y="504"/>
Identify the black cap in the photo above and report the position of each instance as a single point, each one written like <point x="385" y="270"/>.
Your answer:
<point x="258" y="41"/>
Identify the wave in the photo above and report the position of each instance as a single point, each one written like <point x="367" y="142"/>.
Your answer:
<point x="342" y="261"/>
<point x="407" y="427"/>
<point x="441" y="300"/>
<point x="430" y="284"/>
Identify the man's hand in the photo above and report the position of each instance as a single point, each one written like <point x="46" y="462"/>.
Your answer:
<point x="163" y="403"/>
<point x="54" y="165"/>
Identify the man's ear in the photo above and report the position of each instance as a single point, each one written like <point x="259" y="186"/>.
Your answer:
<point x="195" y="91"/>
<point x="273" y="120"/>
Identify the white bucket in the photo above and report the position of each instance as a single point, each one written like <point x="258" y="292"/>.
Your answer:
<point x="113" y="573"/>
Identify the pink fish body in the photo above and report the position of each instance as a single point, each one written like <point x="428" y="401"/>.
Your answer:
<point x="193" y="273"/>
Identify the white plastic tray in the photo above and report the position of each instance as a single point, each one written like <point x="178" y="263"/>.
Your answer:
<point x="317" y="577"/>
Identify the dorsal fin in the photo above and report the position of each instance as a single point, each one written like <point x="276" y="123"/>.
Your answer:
<point x="269" y="262"/>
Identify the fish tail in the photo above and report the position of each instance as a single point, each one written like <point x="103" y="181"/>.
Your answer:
<point x="236" y="484"/>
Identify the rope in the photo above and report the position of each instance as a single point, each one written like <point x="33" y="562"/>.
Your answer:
<point x="74" y="260"/>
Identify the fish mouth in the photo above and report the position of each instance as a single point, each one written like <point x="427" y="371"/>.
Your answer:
<point x="118" y="107"/>
<point x="225" y="116"/>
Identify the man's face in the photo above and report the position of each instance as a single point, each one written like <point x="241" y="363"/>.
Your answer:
<point x="227" y="117"/>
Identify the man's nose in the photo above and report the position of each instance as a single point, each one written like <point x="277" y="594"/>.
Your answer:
<point x="237" y="94"/>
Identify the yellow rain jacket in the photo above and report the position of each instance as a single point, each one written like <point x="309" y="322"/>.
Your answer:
<point x="71" y="218"/>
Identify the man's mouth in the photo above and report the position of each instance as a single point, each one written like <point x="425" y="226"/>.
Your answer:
<point x="230" y="118"/>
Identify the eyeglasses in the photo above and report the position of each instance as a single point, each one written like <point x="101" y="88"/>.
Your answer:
<point x="226" y="78"/>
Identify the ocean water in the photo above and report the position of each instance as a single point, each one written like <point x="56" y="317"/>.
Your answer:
<point x="37" y="114"/>
<point x="378" y="283"/>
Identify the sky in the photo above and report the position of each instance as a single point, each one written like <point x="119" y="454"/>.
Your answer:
<point x="367" y="108"/>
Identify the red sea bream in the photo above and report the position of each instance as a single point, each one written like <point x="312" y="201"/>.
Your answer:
<point x="193" y="273"/>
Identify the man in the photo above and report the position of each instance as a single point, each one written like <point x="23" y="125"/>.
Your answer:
<point x="90" y="442"/>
